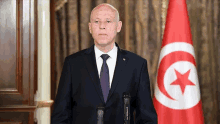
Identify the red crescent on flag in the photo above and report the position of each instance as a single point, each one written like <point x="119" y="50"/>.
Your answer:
<point x="166" y="62"/>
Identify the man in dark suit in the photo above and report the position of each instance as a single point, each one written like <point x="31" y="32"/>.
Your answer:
<point x="101" y="74"/>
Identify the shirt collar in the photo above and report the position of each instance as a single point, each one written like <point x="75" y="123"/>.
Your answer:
<point x="112" y="53"/>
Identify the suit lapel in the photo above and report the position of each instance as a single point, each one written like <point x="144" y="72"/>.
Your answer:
<point x="90" y="61"/>
<point x="119" y="67"/>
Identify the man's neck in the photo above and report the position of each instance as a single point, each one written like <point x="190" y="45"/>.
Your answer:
<point x="107" y="48"/>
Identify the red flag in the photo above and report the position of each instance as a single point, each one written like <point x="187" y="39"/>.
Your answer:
<point x="177" y="95"/>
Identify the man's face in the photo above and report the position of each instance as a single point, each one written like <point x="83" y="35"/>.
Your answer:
<point x="104" y="26"/>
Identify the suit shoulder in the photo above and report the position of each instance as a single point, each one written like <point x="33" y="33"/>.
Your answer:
<point x="133" y="56"/>
<point x="77" y="55"/>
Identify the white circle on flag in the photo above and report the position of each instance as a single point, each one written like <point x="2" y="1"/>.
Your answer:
<point x="191" y="95"/>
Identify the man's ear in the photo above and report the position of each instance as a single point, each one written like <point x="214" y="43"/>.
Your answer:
<point x="90" y="28"/>
<point x="119" y="26"/>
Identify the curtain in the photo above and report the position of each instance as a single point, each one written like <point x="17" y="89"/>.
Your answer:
<point x="142" y="31"/>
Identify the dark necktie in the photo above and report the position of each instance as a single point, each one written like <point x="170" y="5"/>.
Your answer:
<point x="104" y="77"/>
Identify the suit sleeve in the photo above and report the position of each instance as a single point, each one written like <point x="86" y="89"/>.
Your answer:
<point x="145" y="111"/>
<point x="63" y="102"/>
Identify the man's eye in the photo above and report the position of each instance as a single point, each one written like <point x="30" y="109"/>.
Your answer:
<point x="108" y="21"/>
<point x="96" y="21"/>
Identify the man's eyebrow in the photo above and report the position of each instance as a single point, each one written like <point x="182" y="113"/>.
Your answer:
<point x="109" y="19"/>
<point x="95" y="18"/>
<point x="106" y="18"/>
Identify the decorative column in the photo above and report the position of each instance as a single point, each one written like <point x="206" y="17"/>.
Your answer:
<point x="42" y="97"/>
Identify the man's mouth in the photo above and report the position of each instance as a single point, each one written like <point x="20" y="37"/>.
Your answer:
<point x="102" y="34"/>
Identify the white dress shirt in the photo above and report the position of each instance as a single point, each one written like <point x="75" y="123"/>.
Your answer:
<point x="111" y="61"/>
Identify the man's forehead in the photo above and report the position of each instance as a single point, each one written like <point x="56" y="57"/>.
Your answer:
<point x="103" y="12"/>
<point x="103" y="8"/>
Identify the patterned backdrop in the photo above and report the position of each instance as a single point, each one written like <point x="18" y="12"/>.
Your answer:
<point x="142" y="31"/>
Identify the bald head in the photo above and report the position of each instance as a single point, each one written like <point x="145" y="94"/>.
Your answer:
<point x="105" y="6"/>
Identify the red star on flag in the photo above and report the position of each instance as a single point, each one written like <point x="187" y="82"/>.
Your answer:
<point x="182" y="80"/>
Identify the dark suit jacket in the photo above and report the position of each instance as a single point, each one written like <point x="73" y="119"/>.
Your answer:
<point x="79" y="90"/>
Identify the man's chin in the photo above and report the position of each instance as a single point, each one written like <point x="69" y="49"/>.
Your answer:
<point x="104" y="43"/>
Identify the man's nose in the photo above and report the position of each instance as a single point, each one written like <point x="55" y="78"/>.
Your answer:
<point x="102" y="25"/>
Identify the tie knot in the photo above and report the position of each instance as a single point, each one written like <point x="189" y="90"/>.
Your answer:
<point x="105" y="57"/>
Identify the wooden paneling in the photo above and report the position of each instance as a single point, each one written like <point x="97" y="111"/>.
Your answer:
<point x="18" y="61"/>
<point x="8" y="80"/>
<point x="10" y="73"/>
<point x="17" y="52"/>
<point x="11" y="118"/>
<point x="11" y="123"/>
<point x="17" y="108"/>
